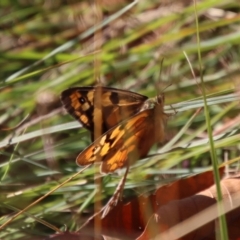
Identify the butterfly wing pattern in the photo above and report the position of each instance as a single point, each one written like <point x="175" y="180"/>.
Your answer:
<point x="130" y="124"/>
<point x="128" y="141"/>
<point x="102" y="105"/>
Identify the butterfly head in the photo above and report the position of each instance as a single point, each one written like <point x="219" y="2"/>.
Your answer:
<point x="160" y="99"/>
<point x="152" y="102"/>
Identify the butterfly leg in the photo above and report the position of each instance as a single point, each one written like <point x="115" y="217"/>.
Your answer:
<point x="172" y="114"/>
<point x="117" y="194"/>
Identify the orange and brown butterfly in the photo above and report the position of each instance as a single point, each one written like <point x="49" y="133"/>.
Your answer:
<point x="130" y="124"/>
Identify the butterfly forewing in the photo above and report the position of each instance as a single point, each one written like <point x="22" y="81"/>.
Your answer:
<point x="128" y="141"/>
<point x="104" y="106"/>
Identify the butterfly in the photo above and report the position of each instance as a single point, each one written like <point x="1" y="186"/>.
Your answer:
<point x="129" y="123"/>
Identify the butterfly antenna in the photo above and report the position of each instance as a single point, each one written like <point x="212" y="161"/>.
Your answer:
<point x="160" y="92"/>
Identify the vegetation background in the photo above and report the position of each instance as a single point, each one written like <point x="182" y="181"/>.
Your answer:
<point x="147" y="47"/>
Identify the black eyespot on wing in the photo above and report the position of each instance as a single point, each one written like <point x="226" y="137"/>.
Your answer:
<point x="82" y="100"/>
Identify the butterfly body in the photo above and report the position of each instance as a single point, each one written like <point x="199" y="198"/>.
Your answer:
<point x="131" y="127"/>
